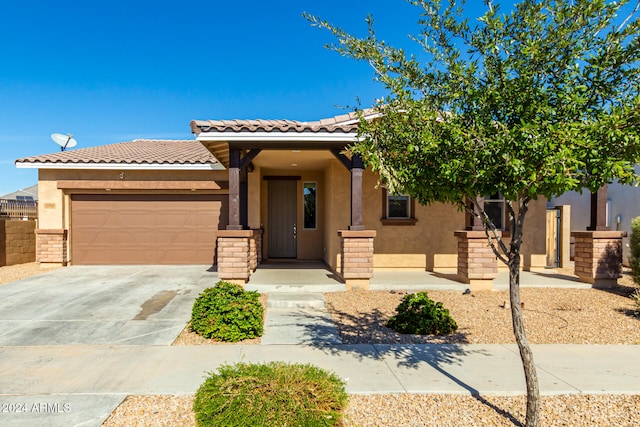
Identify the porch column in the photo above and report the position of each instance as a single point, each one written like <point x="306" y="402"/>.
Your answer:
<point x="234" y="190"/>
<point x="477" y="264"/>
<point x="471" y="220"/>
<point x="598" y="257"/>
<point x="357" y="168"/>
<point x="598" y="251"/>
<point x="599" y="210"/>
<point x="234" y="255"/>
<point x="356" y="257"/>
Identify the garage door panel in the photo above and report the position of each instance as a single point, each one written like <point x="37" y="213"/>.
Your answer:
<point x="146" y="229"/>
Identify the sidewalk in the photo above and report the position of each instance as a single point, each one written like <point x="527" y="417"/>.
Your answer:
<point x="81" y="385"/>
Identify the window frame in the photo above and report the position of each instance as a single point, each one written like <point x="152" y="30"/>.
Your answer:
<point x="501" y="201"/>
<point x="304" y="222"/>
<point x="386" y="220"/>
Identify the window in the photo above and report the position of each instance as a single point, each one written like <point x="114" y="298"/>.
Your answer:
<point x="397" y="209"/>
<point x="398" y="206"/>
<point x="495" y="209"/>
<point x="310" y="207"/>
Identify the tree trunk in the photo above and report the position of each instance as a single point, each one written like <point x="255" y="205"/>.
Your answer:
<point x="531" y="377"/>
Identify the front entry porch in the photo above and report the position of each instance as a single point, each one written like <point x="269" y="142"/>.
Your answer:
<point x="313" y="276"/>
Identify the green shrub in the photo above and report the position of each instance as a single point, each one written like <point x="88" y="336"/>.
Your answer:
<point x="272" y="394"/>
<point x="419" y="314"/>
<point x="227" y="312"/>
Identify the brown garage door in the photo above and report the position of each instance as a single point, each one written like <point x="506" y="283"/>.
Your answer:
<point x="146" y="229"/>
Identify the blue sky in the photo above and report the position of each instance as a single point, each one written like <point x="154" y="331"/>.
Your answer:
<point x="117" y="70"/>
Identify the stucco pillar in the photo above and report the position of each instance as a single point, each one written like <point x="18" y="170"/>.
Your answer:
<point x="234" y="255"/>
<point x="477" y="264"/>
<point x="356" y="257"/>
<point x="598" y="257"/>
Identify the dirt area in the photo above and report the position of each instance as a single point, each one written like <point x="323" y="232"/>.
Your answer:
<point x="11" y="273"/>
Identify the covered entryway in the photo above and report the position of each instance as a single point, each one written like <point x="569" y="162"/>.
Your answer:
<point x="146" y="228"/>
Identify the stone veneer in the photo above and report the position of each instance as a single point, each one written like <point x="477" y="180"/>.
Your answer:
<point x="51" y="246"/>
<point x="17" y="242"/>
<point x="477" y="264"/>
<point x="239" y="254"/>
<point x="356" y="257"/>
<point x="598" y="257"/>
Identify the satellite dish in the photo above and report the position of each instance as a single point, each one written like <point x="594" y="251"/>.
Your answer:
<point x="64" y="141"/>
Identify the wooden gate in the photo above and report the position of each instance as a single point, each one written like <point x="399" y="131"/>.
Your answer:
<point x="553" y="238"/>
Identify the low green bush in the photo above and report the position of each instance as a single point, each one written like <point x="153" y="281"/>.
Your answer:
<point x="419" y="314"/>
<point x="272" y="394"/>
<point x="227" y="312"/>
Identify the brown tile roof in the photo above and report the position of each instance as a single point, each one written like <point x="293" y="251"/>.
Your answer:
<point x="139" y="151"/>
<point x="344" y="123"/>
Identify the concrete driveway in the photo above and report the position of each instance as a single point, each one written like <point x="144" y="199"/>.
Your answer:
<point x="128" y="305"/>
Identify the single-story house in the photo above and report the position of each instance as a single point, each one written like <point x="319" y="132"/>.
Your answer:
<point x="288" y="187"/>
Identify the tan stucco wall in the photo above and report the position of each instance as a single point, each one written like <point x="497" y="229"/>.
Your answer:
<point x="254" y="180"/>
<point x="338" y="209"/>
<point x="427" y="245"/>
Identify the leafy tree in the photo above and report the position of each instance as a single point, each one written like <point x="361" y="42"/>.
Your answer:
<point x="535" y="102"/>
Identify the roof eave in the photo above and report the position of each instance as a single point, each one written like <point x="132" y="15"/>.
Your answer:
<point x="120" y="166"/>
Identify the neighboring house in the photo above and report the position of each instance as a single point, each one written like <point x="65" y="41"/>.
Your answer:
<point x="29" y="194"/>
<point x="165" y="202"/>
<point x="623" y="204"/>
<point x="21" y="204"/>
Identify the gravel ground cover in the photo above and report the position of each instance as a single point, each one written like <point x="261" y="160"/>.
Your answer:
<point x="551" y="316"/>
<point x="414" y="410"/>
<point x="11" y="273"/>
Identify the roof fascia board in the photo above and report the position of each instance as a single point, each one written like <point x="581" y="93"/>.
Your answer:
<point x="119" y="166"/>
<point x="277" y="136"/>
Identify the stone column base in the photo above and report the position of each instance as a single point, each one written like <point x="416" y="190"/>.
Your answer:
<point x="51" y="246"/>
<point x="356" y="257"/>
<point x="477" y="264"/>
<point x="598" y="257"/>
<point x="234" y="255"/>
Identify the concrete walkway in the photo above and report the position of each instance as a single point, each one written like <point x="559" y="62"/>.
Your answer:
<point x="81" y="385"/>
